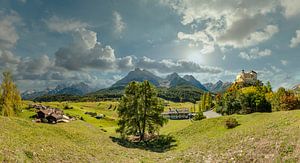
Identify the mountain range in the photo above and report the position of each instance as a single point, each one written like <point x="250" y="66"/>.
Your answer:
<point x="218" y="87"/>
<point x="172" y="87"/>
<point x="70" y="89"/>
<point x="171" y="80"/>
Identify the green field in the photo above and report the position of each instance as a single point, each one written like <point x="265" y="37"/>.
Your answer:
<point x="263" y="137"/>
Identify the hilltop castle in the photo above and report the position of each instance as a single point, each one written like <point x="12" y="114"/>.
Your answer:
<point x="247" y="77"/>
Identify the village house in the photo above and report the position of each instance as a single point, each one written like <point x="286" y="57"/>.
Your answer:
<point x="48" y="114"/>
<point x="177" y="114"/>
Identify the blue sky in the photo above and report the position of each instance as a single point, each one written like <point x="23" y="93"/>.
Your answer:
<point x="45" y="43"/>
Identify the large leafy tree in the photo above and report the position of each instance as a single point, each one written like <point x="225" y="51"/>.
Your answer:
<point x="10" y="99"/>
<point x="245" y="100"/>
<point x="140" y="111"/>
<point x="283" y="100"/>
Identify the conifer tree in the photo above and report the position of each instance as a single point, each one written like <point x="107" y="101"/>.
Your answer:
<point x="10" y="99"/>
<point x="140" y="111"/>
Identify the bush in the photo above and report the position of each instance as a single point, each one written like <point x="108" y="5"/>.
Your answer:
<point x="231" y="123"/>
<point x="92" y="114"/>
<point x="66" y="106"/>
<point x="199" y="116"/>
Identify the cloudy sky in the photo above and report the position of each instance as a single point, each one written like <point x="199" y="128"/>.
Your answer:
<point x="45" y="43"/>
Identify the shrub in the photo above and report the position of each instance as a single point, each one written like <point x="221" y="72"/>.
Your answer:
<point x="92" y="114"/>
<point x="231" y="123"/>
<point x="66" y="106"/>
<point x="199" y="116"/>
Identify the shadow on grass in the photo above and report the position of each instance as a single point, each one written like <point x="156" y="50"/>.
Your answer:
<point x="161" y="144"/>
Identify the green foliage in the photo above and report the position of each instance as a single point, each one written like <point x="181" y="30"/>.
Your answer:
<point x="10" y="99"/>
<point x="29" y="154"/>
<point x="283" y="100"/>
<point x="180" y="93"/>
<point x="231" y="123"/>
<point x="67" y="106"/>
<point x="206" y="102"/>
<point x="140" y="111"/>
<point x="199" y="116"/>
<point x="244" y="100"/>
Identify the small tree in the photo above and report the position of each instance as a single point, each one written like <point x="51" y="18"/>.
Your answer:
<point x="140" y="111"/>
<point x="199" y="116"/>
<point x="10" y="99"/>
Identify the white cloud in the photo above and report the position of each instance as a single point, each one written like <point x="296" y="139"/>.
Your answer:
<point x="119" y="24"/>
<point x="8" y="60"/>
<point x="295" y="41"/>
<point x="284" y="62"/>
<point x="250" y="39"/>
<point x="233" y="23"/>
<point x="180" y="66"/>
<point x="61" y="25"/>
<point x="291" y="7"/>
<point x="200" y="36"/>
<point x="87" y="52"/>
<point x="8" y="33"/>
<point x="35" y="65"/>
<point x="255" y="53"/>
<point x="278" y="77"/>
<point x="85" y="38"/>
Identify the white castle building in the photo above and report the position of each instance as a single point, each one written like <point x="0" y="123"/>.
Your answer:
<point x="247" y="77"/>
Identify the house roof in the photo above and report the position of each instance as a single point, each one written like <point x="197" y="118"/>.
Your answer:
<point x="177" y="111"/>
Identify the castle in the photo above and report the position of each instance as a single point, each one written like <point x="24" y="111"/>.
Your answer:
<point x="247" y="77"/>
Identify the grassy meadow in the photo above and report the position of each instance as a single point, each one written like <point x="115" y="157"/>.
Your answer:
<point x="264" y="137"/>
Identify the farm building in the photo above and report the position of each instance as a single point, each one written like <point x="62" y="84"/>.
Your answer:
<point x="48" y="114"/>
<point x="177" y="114"/>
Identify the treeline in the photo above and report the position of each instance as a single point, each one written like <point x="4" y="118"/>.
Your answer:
<point x="245" y="99"/>
<point x="180" y="94"/>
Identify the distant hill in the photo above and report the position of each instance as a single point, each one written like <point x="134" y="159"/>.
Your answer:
<point x="218" y="87"/>
<point x="78" y="89"/>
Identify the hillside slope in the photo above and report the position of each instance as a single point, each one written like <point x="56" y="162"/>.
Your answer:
<point x="266" y="137"/>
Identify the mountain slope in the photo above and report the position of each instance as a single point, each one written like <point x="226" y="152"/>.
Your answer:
<point x="175" y="80"/>
<point x="194" y="81"/>
<point x="138" y="75"/>
<point x="218" y="87"/>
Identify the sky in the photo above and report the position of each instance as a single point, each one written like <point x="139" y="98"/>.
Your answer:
<point x="45" y="43"/>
